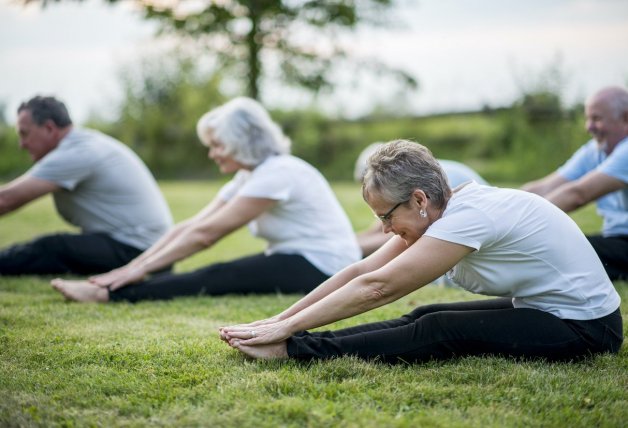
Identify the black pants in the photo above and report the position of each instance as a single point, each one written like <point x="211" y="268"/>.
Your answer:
<point x="613" y="252"/>
<point x="65" y="253"/>
<point x="447" y="330"/>
<point x="285" y="273"/>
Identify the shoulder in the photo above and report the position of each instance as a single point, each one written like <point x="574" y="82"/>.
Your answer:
<point x="283" y="165"/>
<point x="589" y="149"/>
<point x="483" y="202"/>
<point x="621" y="150"/>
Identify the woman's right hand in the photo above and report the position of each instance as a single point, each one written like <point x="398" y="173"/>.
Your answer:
<point x="223" y="330"/>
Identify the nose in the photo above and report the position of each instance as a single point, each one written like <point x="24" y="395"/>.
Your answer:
<point x="386" y="226"/>
<point x="589" y="125"/>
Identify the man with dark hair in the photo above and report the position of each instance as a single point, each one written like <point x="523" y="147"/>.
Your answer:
<point x="98" y="184"/>
<point x="598" y="172"/>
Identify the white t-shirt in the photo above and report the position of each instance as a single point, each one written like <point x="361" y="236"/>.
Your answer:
<point x="105" y="188"/>
<point x="307" y="220"/>
<point x="527" y="249"/>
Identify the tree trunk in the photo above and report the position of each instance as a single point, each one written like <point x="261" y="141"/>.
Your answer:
<point x="254" y="65"/>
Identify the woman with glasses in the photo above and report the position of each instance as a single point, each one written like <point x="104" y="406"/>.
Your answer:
<point x="283" y="199"/>
<point x="553" y="298"/>
<point x="374" y="237"/>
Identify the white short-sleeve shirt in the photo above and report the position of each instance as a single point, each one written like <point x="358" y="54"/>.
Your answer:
<point x="307" y="219"/>
<point x="525" y="248"/>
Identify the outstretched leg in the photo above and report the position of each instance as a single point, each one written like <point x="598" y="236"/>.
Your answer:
<point x="66" y="253"/>
<point x="445" y="334"/>
<point x="285" y="273"/>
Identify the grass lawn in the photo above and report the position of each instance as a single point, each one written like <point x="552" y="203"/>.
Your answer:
<point x="162" y="364"/>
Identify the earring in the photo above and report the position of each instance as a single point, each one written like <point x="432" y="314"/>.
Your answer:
<point x="422" y="213"/>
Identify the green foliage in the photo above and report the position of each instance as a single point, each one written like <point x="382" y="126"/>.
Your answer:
<point x="247" y="35"/>
<point x="295" y="42"/>
<point x="158" y="116"/>
<point x="13" y="161"/>
<point x="162" y="364"/>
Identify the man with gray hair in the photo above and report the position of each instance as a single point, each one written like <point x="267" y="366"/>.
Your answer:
<point x="598" y="171"/>
<point x="98" y="184"/>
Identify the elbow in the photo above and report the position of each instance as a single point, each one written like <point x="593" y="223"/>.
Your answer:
<point x="374" y="294"/>
<point x="203" y="238"/>
<point x="574" y="198"/>
<point x="6" y="205"/>
<point x="579" y="199"/>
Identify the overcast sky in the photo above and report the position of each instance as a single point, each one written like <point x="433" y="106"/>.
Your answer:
<point x="464" y="53"/>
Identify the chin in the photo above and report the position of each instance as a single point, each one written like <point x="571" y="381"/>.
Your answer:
<point x="408" y="241"/>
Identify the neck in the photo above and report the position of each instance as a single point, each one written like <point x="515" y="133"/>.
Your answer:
<point x="608" y="147"/>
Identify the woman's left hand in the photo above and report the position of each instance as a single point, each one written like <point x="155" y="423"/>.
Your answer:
<point x="257" y="335"/>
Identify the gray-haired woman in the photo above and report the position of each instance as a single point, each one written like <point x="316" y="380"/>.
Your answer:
<point x="555" y="299"/>
<point x="283" y="199"/>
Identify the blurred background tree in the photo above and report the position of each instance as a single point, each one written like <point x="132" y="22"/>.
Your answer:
<point x="13" y="162"/>
<point x="300" y="40"/>
<point x="297" y="42"/>
<point x="164" y="98"/>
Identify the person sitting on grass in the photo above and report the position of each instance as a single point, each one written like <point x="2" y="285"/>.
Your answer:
<point x="98" y="184"/>
<point x="554" y="299"/>
<point x="598" y="172"/>
<point x="283" y="199"/>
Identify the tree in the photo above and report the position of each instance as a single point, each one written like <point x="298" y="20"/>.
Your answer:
<point x="299" y="37"/>
<point x="164" y="98"/>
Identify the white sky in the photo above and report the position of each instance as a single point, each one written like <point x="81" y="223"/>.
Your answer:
<point x="465" y="53"/>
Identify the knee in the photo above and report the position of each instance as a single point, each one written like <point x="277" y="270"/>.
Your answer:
<point x="422" y="311"/>
<point x="50" y="245"/>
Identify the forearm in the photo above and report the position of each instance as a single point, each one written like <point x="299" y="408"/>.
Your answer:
<point x="546" y="185"/>
<point x="381" y="257"/>
<point x="183" y="244"/>
<point x="23" y="190"/>
<point x="323" y="290"/>
<point x="158" y="246"/>
<point x="358" y="296"/>
<point x="567" y="199"/>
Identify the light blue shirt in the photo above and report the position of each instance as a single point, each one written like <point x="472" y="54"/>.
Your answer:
<point x="458" y="173"/>
<point x="613" y="207"/>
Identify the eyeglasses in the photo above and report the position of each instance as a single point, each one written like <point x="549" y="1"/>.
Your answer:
<point x="387" y="218"/>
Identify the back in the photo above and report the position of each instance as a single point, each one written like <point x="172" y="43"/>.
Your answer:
<point x="105" y="188"/>
<point x="307" y="220"/>
<point x="528" y="249"/>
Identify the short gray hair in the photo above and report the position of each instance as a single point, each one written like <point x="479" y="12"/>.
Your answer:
<point x="399" y="167"/>
<point x="246" y="130"/>
<point x="616" y="97"/>
<point x="47" y="108"/>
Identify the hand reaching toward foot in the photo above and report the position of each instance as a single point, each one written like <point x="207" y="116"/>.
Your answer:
<point x="118" y="278"/>
<point x="261" y="334"/>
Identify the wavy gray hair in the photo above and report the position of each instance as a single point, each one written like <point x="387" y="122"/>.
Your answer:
<point x="246" y="130"/>
<point x="399" y="167"/>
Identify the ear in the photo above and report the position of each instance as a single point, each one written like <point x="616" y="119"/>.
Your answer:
<point x="49" y="125"/>
<point x="420" y="197"/>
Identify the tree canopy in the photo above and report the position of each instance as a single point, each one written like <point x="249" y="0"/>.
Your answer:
<point x="298" y="39"/>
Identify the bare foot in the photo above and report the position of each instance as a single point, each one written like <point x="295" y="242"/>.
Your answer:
<point x="264" y="352"/>
<point x="81" y="291"/>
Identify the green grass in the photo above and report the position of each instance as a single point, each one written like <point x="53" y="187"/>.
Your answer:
<point x="162" y="364"/>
